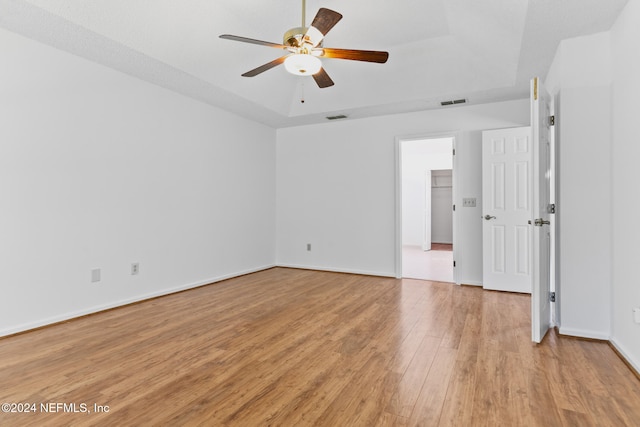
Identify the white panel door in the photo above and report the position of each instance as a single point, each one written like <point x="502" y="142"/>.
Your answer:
<point x="506" y="205"/>
<point x="541" y="238"/>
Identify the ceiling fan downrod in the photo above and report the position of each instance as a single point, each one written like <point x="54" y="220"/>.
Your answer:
<point x="304" y="11"/>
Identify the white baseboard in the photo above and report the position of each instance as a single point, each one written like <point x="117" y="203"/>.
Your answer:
<point x="635" y="363"/>
<point x="98" y="308"/>
<point x="583" y="333"/>
<point x="338" y="270"/>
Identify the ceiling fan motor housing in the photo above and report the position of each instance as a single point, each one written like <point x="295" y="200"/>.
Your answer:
<point x="294" y="37"/>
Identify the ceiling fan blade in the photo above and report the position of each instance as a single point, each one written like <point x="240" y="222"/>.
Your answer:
<point x="322" y="79"/>
<point x="324" y="21"/>
<point x="265" y="67"/>
<point x="252" y="41"/>
<point x="356" y="55"/>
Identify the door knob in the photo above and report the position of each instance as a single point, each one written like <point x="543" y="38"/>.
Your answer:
<point x="540" y="222"/>
<point x="488" y="217"/>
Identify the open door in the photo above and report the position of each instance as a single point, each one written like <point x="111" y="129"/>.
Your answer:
<point x="506" y="204"/>
<point x="541" y="237"/>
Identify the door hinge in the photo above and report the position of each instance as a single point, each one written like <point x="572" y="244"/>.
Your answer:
<point x="454" y="263"/>
<point x="454" y="207"/>
<point x="552" y="120"/>
<point x="552" y="296"/>
<point x="551" y="208"/>
<point x="454" y="151"/>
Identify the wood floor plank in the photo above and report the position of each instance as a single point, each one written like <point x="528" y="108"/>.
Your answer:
<point x="363" y="399"/>
<point x="500" y="396"/>
<point x="404" y="398"/>
<point x="297" y="347"/>
<point x="459" y="402"/>
<point x="428" y="407"/>
<point x="542" y="403"/>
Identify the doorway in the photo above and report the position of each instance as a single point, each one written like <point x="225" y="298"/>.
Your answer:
<point x="426" y="215"/>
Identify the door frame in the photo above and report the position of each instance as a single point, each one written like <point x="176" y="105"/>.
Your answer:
<point x="455" y="135"/>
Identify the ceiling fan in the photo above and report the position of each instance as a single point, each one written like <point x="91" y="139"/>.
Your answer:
<point x="305" y="49"/>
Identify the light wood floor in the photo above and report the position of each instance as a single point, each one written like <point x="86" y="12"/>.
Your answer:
<point x="294" y="348"/>
<point x="441" y="247"/>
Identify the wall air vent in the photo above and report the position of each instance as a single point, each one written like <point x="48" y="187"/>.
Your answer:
<point x="338" y="117"/>
<point x="453" y="102"/>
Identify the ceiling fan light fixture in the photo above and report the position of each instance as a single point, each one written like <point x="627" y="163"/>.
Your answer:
<point x="302" y="64"/>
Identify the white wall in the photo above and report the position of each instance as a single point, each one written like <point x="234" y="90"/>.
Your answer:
<point x="336" y="187"/>
<point x="625" y="38"/>
<point x="581" y="77"/>
<point x="99" y="170"/>
<point x="419" y="158"/>
<point x="468" y="251"/>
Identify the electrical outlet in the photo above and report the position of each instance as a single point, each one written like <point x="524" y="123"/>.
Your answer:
<point x="95" y="275"/>
<point x="469" y="202"/>
<point x="135" y="268"/>
<point x="308" y="247"/>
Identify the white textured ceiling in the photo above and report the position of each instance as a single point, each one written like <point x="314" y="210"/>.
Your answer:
<point x="481" y="50"/>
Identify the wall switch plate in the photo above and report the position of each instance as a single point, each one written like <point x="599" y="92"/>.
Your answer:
<point x="469" y="202"/>
<point x="309" y="247"/>
<point x="95" y="275"/>
<point x="135" y="268"/>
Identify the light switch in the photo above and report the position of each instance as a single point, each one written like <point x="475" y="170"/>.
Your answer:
<point x="469" y="202"/>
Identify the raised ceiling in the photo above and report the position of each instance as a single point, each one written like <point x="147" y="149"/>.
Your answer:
<point x="480" y="50"/>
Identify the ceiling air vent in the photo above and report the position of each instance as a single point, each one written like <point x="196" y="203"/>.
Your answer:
<point x="338" y="117"/>
<point x="453" y="102"/>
